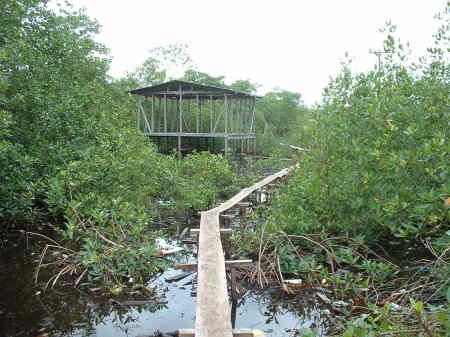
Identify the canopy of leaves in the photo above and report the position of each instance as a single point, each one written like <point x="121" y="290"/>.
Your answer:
<point x="380" y="155"/>
<point x="69" y="149"/>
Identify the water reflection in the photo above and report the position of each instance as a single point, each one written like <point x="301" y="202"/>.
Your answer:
<point x="66" y="311"/>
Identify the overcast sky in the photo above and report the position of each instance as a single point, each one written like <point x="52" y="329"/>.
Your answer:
<point x="292" y="44"/>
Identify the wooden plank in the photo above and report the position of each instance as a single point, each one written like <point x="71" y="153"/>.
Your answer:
<point x="213" y="309"/>
<point x="180" y="276"/>
<point x="160" y="252"/>
<point x="237" y="263"/>
<point x="190" y="242"/>
<point x="228" y="264"/>
<point x="247" y="191"/>
<point x="236" y="333"/>
<point x="225" y="219"/>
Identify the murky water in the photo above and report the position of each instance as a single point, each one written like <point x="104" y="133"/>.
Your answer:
<point x="26" y="310"/>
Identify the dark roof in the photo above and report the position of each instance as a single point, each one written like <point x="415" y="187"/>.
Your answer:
<point x="188" y="90"/>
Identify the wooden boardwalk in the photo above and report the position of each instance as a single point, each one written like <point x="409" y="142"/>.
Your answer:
<point x="213" y="317"/>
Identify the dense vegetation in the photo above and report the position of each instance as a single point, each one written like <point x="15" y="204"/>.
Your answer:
<point x="70" y="154"/>
<point x="377" y="171"/>
<point x="376" y="178"/>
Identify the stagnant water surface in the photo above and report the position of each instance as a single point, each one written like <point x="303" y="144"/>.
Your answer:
<point x="27" y="310"/>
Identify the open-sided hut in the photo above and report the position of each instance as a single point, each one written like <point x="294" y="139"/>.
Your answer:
<point x="189" y="116"/>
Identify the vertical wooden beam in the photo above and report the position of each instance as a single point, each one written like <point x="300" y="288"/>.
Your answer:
<point x="234" y="293"/>
<point x="211" y="114"/>
<point x="165" y="112"/>
<point x="198" y="114"/>
<point x="233" y="314"/>
<point x="226" y="125"/>
<point x="152" y="118"/>
<point x="173" y="113"/>
<point x="239" y="115"/>
<point x="159" y="114"/>
<point x="253" y="114"/>
<point x="231" y="107"/>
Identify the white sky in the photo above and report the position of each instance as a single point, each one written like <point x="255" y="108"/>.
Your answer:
<point x="292" y="44"/>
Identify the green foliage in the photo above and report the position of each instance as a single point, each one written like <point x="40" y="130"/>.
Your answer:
<point x="203" y="179"/>
<point x="69" y="148"/>
<point x="50" y="69"/>
<point x="16" y="186"/>
<point x="384" y="320"/>
<point x="379" y="153"/>
<point x="277" y="114"/>
<point x="280" y="110"/>
<point x="155" y="69"/>
<point x="116" y="243"/>
<point x="378" y="168"/>
<point x="203" y="78"/>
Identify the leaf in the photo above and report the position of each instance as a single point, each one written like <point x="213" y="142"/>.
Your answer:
<point x="418" y="306"/>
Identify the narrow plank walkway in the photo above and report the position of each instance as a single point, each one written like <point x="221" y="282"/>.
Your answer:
<point x="213" y="318"/>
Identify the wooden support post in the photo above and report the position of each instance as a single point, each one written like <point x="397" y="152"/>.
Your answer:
<point x="152" y="121"/>
<point x="226" y="125"/>
<point x="258" y="197"/>
<point x="234" y="292"/>
<point x="252" y="121"/>
<point x="243" y="207"/>
<point x="165" y="113"/>
<point x="225" y="220"/>
<point x="198" y="115"/>
<point x="226" y="245"/>
<point x="233" y="313"/>
<point x="211" y="113"/>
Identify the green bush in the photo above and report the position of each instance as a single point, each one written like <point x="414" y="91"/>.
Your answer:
<point x="380" y="155"/>
<point x="18" y="185"/>
<point x="204" y="179"/>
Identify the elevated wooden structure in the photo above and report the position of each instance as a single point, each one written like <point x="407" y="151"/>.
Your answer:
<point x="213" y="315"/>
<point x="189" y="116"/>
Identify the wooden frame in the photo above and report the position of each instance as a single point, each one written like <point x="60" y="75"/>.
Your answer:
<point x="184" y="113"/>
